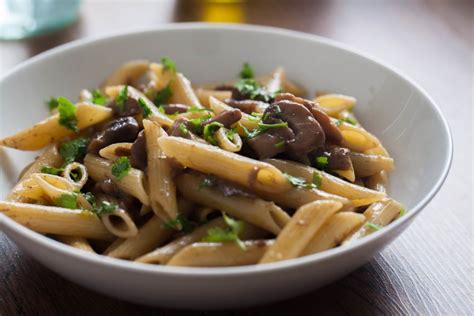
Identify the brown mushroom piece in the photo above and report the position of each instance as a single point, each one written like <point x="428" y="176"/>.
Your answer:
<point x="330" y="130"/>
<point x="338" y="157"/>
<point x="174" y="108"/>
<point x="271" y="143"/>
<point x="130" y="108"/>
<point x="124" y="129"/>
<point x="247" y="106"/>
<point x="226" y="118"/>
<point x="180" y="128"/>
<point x="309" y="134"/>
<point x="138" y="157"/>
<point x="236" y="95"/>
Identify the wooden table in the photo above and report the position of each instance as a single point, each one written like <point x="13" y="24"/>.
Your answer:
<point x="428" y="270"/>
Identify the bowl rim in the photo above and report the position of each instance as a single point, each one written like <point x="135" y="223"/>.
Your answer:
<point x="136" y="267"/>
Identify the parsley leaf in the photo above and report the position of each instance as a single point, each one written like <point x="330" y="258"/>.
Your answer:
<point x="403" y="211"/>
<point x="373" y="226"/>
<point x="121" y="98"/>
<point x="280" y="144"/>
<point x="98" y="97"/>
<point x="67" y="201"/>
<point x="210" y="130"/>
<point x="295" y="181"/>
<point x="196" y="109"/>
<point x="186" y="225"/>
<point x="183" y="129"/>
<point x="253" y="90"/>
<point x="349" y="120"/>
<point x="74" y="149"/>
<point x="89" y="197"/>
<point x="317" y="179"/>
<point x="121" y="167"/>
<point x="231" y="233"/>
<point x="52" y="103"/>
<point x="146" y="109"/>
<point x="104" y="208"/>
<point x="163" y="95"/>
<point x="264" y="127"/>
<point x="168" y="64"/>
<point x="52" y="170"/>
<point x="321" y="162"/>
<point x="207" y="182"/>
<point x="246" y="72"/>
<point x="230" y="134"/>
<point x="67" y="114"/>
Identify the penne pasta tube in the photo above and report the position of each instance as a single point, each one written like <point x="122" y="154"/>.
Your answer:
<point x="296" y="235"/>
<point x="127" y="73"/>
<point x="26" y="190"/>
<point x="368" y="165"/>
<point x="258" y="212"/>
<point x="348" y="174"/>
<point x="56" y="220"/>
<point x="275" y="84"/>
<point x="225" y="143"/>
<point x="204" y="94"/>
<point x="377" y="215"/>
<point x="333" y="104"/>
<point x="133" y="183"/>
<point x="247" y="120"/>
<point x="115" y="151"/>
<point x="356" y="138"/>
<point x="160" y="174"/>
<point x="133" y="93"/>
<point x="203" y="254"/>
<point x="206" y="158"/>
<point x="204" y="213"/>
<point x="183" y="92"/>
<point x="163" y="254"/>
<point x="333" y="232"/>
<point x="159" y="76"/>
<point x="50" y="130"/>
<point x="76" y="173"/>
<point x="149" y="236"/>
<point x="120" y="224"/>
<point x="379" y="150"/>
<point x="76" y="242"/>
<point x="378" y="181"/>
<point x="50" y="157"/>
<point x="329" y="183"/>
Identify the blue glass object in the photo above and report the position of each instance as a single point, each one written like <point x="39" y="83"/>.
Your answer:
<point x="26" y="18"/>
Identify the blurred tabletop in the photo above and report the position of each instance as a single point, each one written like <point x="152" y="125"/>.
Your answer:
<point x="428" y="270"/>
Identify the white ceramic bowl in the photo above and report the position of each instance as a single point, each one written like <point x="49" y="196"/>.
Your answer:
<point x="389" y="105"/>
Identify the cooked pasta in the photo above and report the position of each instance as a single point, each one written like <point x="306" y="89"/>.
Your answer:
<point x="239" y="172"/>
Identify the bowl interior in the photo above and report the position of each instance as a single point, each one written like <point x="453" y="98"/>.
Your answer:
<point x="389" y="106"/>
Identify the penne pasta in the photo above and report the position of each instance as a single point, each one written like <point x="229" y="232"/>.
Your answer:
<point x="213" y="160"/>
<point x="183" y="92"/>
<point x="220" y="254"/>
<point x="128" y="73"/>
<point x="246" y="121"/>
<point x="368" y="165"/>
<point x="378" y="181"/>
<point x="133" y="183"/>
<point x="56" y="220"/>
<point x="76" y="173"/>
<point x="160" y="174"/>
<point x="255" y="211"/>
<point x="160" y="77"/>
<point x="50" y="130"/>
<point x="333" y="232"/>
<point x="120" y="224"/>
<point x="110" y="152"/>
<point x="204" y="94"/>
<point x="76" y="242"/>
<point x="333" y="104"/>
<point x="275" y="84"/>
<point x="296" y="235"/>
<point x="356" y="138"/>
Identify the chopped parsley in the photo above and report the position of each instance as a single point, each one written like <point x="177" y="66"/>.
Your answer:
<point x="246" y="72"/>
<point x="104" y="208"/>
<point x="121" y="167"/>
<point x="230" y="134"/>
<point x="230" y="233"/>
<point x="253" y="90"/>
<point x="280" y="144"/>
<point x="403" y="211"/>
<point x="196" y="109"/>
<point x="76" y="175"/>
<point x="317" y="179"/>
<point x="196" y="124"/>
<point x="74" y="149"/>
<point x="207" y="182"/>
<point x="121" y="98"/>
<point x="89" y="197"/>
<point x="301" y="183"/>
<point x="264" y="126"/>
<point x="52" y="170"/>
<point x="146" y="109"/>
<point x="67" y="201"/>
<point x="183" y="129"/>
<point x="98" y="97"/>
<point x="67" y="114"/>
<point x="52" y="103"/>
<point x="349" y="120"/>
<point x="163" y="96"/>
<point x="210" y="130"/>
<point x="168" y="64"/>
<point x="373" y="226"/>
<point x="186" y="225"/>
<point x="321" y="162"/>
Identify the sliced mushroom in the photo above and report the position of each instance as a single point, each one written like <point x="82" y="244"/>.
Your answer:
<point x="130" y="108"/>
<point x="338" y="158"/>
<point x="226" y="118"/>
<point x="272" y="142"/>
<point x="138" y="157"/>
<point x="124" y="129"/>
<point x="247" y="106"/>
<point x="174" y="108"/>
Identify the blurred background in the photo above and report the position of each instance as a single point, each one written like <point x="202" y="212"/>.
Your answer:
<point x="429" y="40"/>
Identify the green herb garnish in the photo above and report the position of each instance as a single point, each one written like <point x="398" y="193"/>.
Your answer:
<point x="183" y="129"/>
<point x="163" y="95"/>
<point x="121" y="98"/>
<point x="67" y="114"/>
<point x="168" y="64"/>
<point x="210" y="130"/>
<point x="246" y="72"/>
<point x="321" y="162"/>
<point x="253" y="90"/>
<point x="207" y="182"/>
<point x="52" y="103"/>
<point x="196" y="109"/>
<point x="301" y="182"/>
<point x="349" y="120"/>
<point x="230" y="134"/>
<point x="230" y="233"/>
<point x="67" y="201"/>
<point x="186" y="225"/>
<point x="317" y="179"/>
<point x="146" y="109"/>
<point x="52" y="170"/>
<point x="104" y="208"/>
<point x="373" y="226"/>
<point x="98" y="97"/>
<point x="74" y="149"/>
<point x="121" y="167"/>
<point x="264" y="126"/>
<point x="403" y="211"/>
<point x="280" y="144"/>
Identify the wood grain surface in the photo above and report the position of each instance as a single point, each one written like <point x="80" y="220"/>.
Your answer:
<point x="428" y="270"/>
